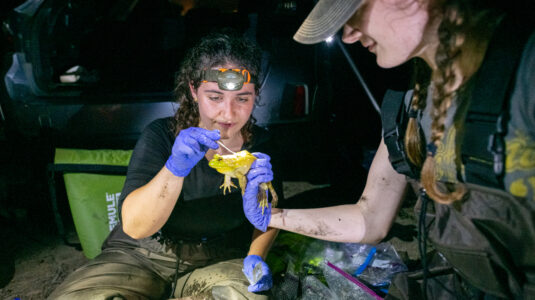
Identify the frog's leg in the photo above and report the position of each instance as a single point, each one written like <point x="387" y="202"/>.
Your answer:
<point x="274" y="197"/>
<point x="243" y="183"/>
<point x="263" y="195"/>
<point x="227" y="184"/>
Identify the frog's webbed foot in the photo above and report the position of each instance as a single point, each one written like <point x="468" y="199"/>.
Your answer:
<point x="263" y="195"/>
<point x="227" y="184"/>
<point x="274" y="198"/>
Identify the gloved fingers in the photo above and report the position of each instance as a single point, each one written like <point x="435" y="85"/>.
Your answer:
<point x="205" y="137"/>
<point x="191" y="145"/>
<point x="183" y="150"/>
<point x="253" y="213"/>
<point x="207" y="142"/>
<point x="251" y="187"/>
<point x="263" y="285"/>
<point x="261" y="155"/>
<point x="266" y="281"/>
<point x="253" y="184"/>
<point x="212" y="134"/>
<point x="261" y="163"/>
<point x="255" y="217"/>
<point x="253" y="173"/>
<point x="249" y="262"/>
<point x="265" y="268"/>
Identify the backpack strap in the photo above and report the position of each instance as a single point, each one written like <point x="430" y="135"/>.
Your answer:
<point x="486" y="120"/>
<point x="395" y="118"/>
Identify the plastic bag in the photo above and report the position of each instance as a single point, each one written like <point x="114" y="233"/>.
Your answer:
<point x="376" y="265"/>
<point x="314" y="289"/>
<point x="346" y="287"/>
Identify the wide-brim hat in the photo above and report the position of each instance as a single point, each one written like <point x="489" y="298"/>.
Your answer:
<point x="325" y="19"/>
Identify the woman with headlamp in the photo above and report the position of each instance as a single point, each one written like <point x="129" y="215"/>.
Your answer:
<point x="179" y="235"/>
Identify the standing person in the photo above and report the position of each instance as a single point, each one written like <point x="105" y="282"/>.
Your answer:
<point x="469" y="143"/>
<point x="179" y="235"/>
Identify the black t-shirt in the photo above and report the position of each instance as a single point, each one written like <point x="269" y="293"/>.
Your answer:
<point x="202" y="211"/>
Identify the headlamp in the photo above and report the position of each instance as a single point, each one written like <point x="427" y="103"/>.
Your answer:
<point x="227" y="79"/>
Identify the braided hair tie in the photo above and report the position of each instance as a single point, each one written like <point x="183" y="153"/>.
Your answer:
<point x="413" y="113"/>
<point x="431" y="149"/>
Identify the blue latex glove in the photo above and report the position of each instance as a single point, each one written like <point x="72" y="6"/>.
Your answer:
<point x="259" y="172"/>
<point x="189" y="148"/>
<point x="258" y="274"/>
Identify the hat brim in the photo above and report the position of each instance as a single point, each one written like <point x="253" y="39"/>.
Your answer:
<point x="325" y="19"/>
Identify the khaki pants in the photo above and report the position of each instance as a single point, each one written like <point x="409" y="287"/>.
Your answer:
<point x="148" y="271"/>
<point x="224" y="280"/>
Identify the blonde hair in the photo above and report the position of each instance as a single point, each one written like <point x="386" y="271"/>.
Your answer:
<point x="463" y="35"/>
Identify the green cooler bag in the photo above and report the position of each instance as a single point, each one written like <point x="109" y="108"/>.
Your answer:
<point x="93" y="187"/>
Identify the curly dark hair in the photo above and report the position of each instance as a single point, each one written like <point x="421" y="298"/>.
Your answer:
<point x="464" y="33"/>
<point x="214" y="50"/>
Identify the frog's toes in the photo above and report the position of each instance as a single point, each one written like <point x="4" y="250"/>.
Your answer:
<point x="263" y="190"/>
<point x="227" y="184"/>
<point x="226" y="187"/>
<point x="262" y="198"/>
<point x="274" y="197"/>
<point x="263" y="204"/>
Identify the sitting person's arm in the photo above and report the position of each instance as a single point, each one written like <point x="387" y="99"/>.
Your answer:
<point x="262" y="279"/>
<point x="146" y="209"/>
<point x="262" y="241"/>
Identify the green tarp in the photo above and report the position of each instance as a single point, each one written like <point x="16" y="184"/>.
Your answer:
<point x="93" y="197"/>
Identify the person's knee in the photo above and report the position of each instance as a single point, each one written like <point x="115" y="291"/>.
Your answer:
<point x="96" y="294"/>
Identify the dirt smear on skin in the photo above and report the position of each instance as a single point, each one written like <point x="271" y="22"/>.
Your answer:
<point x="322" y="229"/>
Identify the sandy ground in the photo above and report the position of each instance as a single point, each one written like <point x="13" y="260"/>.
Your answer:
<point x="42" y="259"/>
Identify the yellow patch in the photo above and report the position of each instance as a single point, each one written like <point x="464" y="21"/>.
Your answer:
<point x="520" y="153"/>
<point x="518" y="188"/>
<point x="445" y="157"/>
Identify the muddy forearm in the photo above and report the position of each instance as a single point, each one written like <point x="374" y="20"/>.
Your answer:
<point x="147" y="208"/>
<point x="367" y="221"/>
<point x="343" y="223"/>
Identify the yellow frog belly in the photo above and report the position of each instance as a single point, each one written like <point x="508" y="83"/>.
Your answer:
<point x="236" y="166"/>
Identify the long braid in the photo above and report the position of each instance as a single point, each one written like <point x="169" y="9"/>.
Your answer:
<point x="413" y="138"/>
<point x="463" y="35"/>
<point x="444" y="80"/>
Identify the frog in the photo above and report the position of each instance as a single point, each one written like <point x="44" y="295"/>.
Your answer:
<point x="236" y="166"/>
